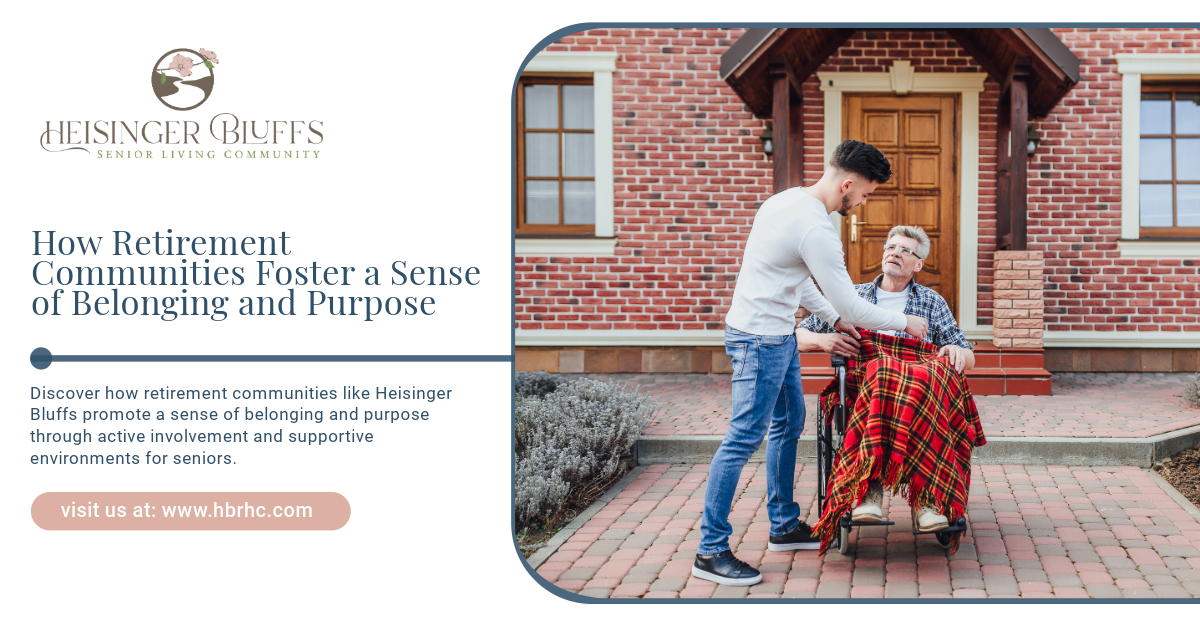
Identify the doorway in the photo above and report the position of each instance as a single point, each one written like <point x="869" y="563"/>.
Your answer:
<point x="919" y="136"/>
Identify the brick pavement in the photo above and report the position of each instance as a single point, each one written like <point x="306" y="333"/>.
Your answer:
<point x="1097" y="405"/>
<point x="1036" y="532"/>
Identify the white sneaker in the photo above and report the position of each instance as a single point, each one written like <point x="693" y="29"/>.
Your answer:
<point x="871" y="508"/>
<point x="930" y="520"/>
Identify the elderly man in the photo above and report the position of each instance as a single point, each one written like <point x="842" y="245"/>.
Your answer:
<point x="897" y="291"/>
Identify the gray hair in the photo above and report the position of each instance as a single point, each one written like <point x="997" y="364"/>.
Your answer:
<point x="915" y="233"/>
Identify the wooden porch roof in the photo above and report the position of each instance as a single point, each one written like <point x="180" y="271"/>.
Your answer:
<point x="1054" y="68"/>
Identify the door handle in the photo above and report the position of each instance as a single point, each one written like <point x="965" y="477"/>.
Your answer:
<point x="854" y="223"/>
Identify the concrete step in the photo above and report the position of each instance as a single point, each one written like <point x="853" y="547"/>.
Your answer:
<point x="1141" y="452"/>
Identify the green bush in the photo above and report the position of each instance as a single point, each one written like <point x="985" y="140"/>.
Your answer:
<point x="571" y="441"/>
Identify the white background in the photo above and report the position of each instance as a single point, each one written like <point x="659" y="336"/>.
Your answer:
<point x="415" y="165"/>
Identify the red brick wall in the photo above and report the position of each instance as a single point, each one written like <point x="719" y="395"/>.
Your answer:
<point x="1075" y="200"/>
<point x="690" y="173"/>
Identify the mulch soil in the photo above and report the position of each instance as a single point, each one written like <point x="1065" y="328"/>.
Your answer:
<point x="1183" y="472"/>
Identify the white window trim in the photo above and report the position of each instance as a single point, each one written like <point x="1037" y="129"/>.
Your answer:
<point x="639" y="337"/>
<point x="1132" y="67"/>
<point x="705" y="337"/>
<point x="604" y="247"/>
<point x="1130" y="339"/>
<point x="1157" y="249"/>
<point x="901" y="79"/>
<point x="619" y="337"/>
<point x="601" y="65"/>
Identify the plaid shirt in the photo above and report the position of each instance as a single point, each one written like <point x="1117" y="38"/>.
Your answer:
<point x="922" y="301"/>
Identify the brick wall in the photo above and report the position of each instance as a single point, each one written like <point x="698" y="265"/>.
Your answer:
<point x="690" y="173"/>
<point x="1075" y="200"/>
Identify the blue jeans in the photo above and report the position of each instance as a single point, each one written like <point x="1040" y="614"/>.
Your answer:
<point x="766" y="394"/>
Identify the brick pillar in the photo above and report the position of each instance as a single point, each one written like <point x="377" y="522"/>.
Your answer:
<point x="1017" y="322"/>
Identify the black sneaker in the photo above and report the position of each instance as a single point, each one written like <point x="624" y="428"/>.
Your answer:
<point x="725" y="568"/>
<point x="802" y="538"/>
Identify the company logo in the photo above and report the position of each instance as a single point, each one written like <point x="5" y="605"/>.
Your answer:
<point x="183" y="78"/>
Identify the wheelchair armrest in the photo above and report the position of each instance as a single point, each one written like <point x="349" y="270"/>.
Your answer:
<point x="837" y="361"/>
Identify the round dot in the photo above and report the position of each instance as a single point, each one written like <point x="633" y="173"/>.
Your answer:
<point x="41" y="358"/>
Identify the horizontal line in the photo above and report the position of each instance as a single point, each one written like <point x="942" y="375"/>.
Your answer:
<point x="283" y="358"/>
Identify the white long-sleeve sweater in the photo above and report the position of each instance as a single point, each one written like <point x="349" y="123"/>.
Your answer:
<point x="791" y="242"/>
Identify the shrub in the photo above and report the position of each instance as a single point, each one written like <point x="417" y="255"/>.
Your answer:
<point x="1191" y="392"/>
<point x="537" y="384"/>
<point x="571" y="443"/>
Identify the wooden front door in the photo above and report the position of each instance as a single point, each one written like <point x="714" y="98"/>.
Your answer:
<point x="919" y="136"/>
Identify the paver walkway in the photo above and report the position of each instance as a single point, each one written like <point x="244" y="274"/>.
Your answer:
<point x="1097" y="405"/>
<point x="1053" y="531"/>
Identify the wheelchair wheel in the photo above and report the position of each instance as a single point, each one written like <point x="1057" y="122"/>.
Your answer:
<point x="844" y="540"/>
<point x="943" y="539"/>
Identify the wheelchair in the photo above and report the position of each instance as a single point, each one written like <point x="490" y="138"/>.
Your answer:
<point x="829" y="441"/>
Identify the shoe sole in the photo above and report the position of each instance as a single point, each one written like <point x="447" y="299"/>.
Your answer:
<point x="937" y="528"/>
<point x="788" y="547"/>
<point x="867" y="518"/>
<point x="733" y="582"/>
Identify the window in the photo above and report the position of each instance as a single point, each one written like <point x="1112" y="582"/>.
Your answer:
<point x="564" y="232"/>
<point x="556" y="155"/>
<point x="1169" y="161"/>
<point x="1153" y="239"/>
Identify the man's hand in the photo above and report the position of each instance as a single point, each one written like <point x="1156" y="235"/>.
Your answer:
<point x="847" y="328"/>
<point x="957" y="356"/>
<point x="917" y="327"/>
<point x="838" y="344"/>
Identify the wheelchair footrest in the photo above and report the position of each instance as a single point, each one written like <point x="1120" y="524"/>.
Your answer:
<point x="847" y="522"/>
<point x="959" y="525"/>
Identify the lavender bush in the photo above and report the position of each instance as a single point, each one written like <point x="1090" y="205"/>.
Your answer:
<point x="537" y="384"/>
<point x="571" y="441"/>
<point x="1191" y="392"/>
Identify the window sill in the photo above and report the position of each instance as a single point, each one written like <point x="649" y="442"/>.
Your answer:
<point x="1159" y="249"/>
<point x="566" y="246"/>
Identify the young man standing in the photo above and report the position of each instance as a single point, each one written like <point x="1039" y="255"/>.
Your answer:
<point x="791" y="242"/>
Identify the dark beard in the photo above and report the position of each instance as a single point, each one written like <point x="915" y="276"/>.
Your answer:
<point x="846" y="206"/>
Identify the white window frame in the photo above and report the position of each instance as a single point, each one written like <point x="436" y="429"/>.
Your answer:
<point x="1132" y="67"/>
<point x="601" y="65"/>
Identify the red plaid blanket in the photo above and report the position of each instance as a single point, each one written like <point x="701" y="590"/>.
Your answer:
<point x="912" y="424"/>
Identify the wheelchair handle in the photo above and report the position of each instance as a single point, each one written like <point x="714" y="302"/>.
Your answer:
<point x="837" y="361"/>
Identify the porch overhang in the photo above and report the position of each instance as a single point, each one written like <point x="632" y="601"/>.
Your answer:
<point x="745" y="66"/>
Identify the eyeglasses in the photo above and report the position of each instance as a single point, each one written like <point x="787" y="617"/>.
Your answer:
<point x="904" y="250"/>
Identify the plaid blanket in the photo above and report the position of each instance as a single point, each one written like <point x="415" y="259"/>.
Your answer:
<point x="912" y="424"/>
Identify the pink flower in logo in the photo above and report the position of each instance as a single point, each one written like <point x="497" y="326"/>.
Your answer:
<point x="210" y="55"/>
<point x="182" y="64"/>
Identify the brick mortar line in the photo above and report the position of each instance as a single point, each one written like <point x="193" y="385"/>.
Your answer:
<point x="581" y="519"/>
<point x="1162" y="482"/>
